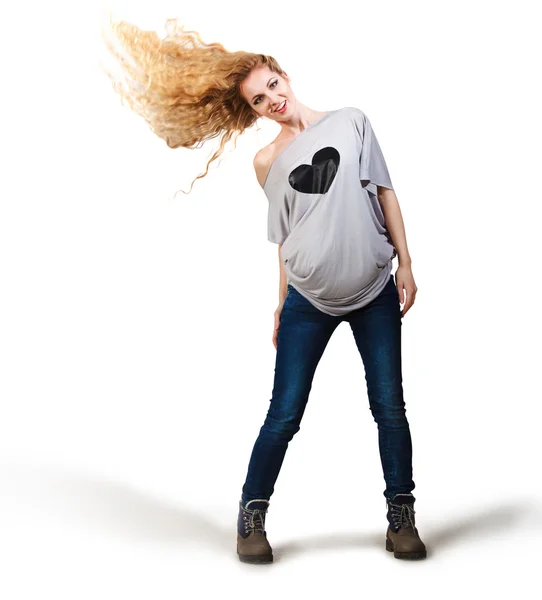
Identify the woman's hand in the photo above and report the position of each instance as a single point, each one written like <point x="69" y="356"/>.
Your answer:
<point x="277" y="324"/>
<point x="404" y="281"/>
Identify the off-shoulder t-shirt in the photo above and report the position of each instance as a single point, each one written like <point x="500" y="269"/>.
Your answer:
<point x="324" y="209"/>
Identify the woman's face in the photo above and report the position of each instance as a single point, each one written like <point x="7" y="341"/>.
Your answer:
<point x="265" y="91"/>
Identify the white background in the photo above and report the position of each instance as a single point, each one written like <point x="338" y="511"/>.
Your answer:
<point x="136" y="354"/>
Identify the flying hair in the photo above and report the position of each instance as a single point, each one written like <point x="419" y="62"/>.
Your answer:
<point x="188" y="91"/>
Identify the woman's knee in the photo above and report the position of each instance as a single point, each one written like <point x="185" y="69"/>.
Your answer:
<point x="281" y="428"/>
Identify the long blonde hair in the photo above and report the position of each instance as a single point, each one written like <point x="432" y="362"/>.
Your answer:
<point x="187" y="91"/>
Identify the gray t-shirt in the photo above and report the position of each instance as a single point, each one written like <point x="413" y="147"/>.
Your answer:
<point x="324" y="209"/>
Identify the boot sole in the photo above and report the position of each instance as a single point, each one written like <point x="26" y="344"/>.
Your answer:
<point x="405" y="555"/>
<point x="255" y="560"/>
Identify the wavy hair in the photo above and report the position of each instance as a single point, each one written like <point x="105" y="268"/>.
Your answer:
<point x="187" y="91"/>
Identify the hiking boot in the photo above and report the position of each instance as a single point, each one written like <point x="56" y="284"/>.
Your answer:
<point x="402" y="536"/>
<point x="252" y="544"/>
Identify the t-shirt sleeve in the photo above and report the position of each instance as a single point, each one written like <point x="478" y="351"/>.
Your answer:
<point x="373" y="170"/>
<point x="278" y="228"/>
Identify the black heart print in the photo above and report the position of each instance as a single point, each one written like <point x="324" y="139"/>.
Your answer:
<point x="317" y="177"/>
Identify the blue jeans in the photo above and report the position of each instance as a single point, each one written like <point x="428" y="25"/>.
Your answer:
<point x="303" y="335"/>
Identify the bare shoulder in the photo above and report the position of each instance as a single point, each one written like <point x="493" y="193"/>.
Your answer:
<point x="266" y="156"/>
<point x="262" y="162"/>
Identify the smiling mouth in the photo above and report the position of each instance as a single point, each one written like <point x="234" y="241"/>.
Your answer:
<point x="281" y="106"/>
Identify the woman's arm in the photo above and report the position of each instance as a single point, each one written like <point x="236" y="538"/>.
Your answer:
<point x="394" y="223"/>
<point x="404" y="279"/>
<point x="283" y="292"/>
<point x="283" y="283"/>
<point x="261" y="166"/>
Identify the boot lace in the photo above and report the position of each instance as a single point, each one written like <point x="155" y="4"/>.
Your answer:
<point x="403" y="514"/>
<point x="254" y="520"/>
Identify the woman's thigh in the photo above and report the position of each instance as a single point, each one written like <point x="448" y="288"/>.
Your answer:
<point x="304" y="332"/>
<point x="377" y="331"/>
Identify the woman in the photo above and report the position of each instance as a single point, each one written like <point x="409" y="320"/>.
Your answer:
<point x="337" y="222"/>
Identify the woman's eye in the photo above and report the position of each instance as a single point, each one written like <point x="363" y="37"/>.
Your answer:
<point x="271" y="85"/>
